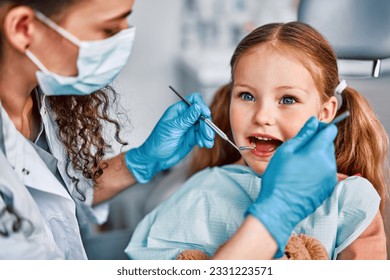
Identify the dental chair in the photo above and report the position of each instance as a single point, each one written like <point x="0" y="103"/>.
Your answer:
<point x="359" y="31"/>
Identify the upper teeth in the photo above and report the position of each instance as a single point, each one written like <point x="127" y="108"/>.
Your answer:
<point x="263" y="138"/>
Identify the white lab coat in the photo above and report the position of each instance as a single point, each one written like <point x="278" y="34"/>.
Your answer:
<point x="34" y="240"/>
<point x="56" y="224"/>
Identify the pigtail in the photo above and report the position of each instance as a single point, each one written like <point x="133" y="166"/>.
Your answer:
<point x="362" y="144"/>
<point x="222" y="153"/>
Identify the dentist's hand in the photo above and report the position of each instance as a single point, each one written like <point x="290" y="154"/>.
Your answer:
<point x="299" y="177"/>
<point x="174" y="136"/>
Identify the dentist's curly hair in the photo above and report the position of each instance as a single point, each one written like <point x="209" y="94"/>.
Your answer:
<point x="362" y="143"/>
<point x="80" y="119"/>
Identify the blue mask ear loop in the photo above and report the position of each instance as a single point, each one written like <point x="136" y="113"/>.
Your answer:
<point x="338" y="91"/>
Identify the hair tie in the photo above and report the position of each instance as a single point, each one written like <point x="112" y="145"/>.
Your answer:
<point x="338" y="91"/>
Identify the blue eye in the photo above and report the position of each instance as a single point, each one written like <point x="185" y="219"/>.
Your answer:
<point x="247" y="96"/>
<point x="287" y="100"/>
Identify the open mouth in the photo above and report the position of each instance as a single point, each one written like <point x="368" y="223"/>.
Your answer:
<point x="264" y="144"/>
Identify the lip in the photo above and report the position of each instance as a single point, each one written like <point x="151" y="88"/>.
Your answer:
<point x="259" y="153"/>
<point x="262" y="154"/>
<point x="264" y="136"/>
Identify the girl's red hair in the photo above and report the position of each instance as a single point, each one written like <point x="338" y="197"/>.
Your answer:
<point x="362" y="143"/>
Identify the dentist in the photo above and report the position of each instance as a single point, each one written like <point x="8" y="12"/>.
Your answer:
<point x="56" y="61"/>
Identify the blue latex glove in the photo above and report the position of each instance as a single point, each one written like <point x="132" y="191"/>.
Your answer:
<point x="300" y="176"/>
<point x="174" y="136"/>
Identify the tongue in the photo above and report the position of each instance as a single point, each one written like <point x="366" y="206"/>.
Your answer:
<point x="266" y="146"/>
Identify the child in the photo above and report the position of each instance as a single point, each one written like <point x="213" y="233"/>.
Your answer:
<point x="282" y="74"/>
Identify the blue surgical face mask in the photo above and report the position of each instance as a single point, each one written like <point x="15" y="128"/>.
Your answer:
<point x="98" y="62"/>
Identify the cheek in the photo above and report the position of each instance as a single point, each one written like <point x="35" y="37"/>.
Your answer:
<point x="239" y="119"/>
<point x="291" y="128"/>
<point x="290" y="131"/>
<point x="234" y="115"/>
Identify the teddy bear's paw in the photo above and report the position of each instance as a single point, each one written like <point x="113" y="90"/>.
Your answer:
<point x="305" y="247"/>
<point x="192" y="255"/>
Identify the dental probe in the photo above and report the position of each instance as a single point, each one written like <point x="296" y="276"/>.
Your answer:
<point x="214" y="127"/>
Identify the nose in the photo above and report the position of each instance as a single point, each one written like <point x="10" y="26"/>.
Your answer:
<point x="264" y="115"/>
<point x="124" y="24"/>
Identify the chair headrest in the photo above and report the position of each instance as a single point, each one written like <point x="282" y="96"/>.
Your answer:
<point x="357" y="29"/>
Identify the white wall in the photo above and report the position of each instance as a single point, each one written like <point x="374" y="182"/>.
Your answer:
<point x="151" y="68"/>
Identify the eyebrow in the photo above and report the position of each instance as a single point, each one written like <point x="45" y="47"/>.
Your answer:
<point x="243" y="86"/>
<point x="293" y="88"/>
<point x="121" y="16"/>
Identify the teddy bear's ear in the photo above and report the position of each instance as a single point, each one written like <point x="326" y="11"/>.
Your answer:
<point x="305" y="247"/>
<point x="192" y="255"/>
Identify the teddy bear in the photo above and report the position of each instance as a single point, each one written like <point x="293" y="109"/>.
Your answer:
<point x="299" y="247"/>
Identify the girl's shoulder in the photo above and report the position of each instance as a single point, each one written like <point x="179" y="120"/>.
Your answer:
<point x="353" y="202"/>
<point x="356" y="193"/>
<point x="357" y="189"/>
<point x="358" y="203"/>
<point x="344" y="215"/>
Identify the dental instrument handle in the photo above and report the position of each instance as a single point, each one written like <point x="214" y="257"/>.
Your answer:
<point x="341" y="117"/>
<point x="207" y="121"/>
<point x="181" y="97"/>
<point x="218" y="131"/>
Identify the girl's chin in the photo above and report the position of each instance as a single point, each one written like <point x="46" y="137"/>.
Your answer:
<point x="258" y="167"/>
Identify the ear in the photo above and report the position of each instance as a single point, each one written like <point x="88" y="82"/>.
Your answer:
<point x="329" y="110"/>
<point x="18" y="26"/>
